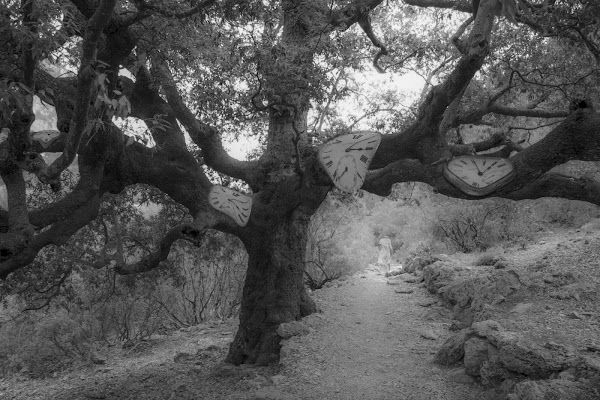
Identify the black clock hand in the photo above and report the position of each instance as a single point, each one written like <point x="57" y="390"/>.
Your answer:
<point x="476" y="166"/>
<point x="485" y="170"/>
<point x="349" y="149"/>
<point x="372" y="139"/>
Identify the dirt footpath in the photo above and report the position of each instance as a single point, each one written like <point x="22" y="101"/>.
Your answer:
<point x="371" y="342"/>
<point x="368" y="343"/>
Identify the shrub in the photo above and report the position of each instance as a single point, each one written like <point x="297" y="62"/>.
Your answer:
<point x="44" y="346"/>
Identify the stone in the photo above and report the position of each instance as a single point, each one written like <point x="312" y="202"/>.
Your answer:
<point x="428" y="334"/>
<point x="528" y="358"/>
<point x="437" y="275"/>
<point x="427" y="303"/>
<point x="500" y="264"/>
<point x="493" y="374"/>
<point x="258" y="382"/>
<point x="476" y="352"/>
<point x="452" y="350"/>
<point x="404" y="291"/>
<point x="293" y="328"/>
<point x="277" y="379"/>
<point x="487" y="328"/>
<point x="574" y="315"/>
<point x="460" y="376"/>
<point x="97" y="358"/>
<point x="555" y="389"/>
<point x="521" y="308"/>
<point x="182" y="357"/>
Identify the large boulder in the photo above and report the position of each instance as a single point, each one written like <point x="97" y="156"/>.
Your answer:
<point x="555" y="389"/>
<point x="476" y="353"/>
<point x="453" y="349"/>
<point x="438" y="275"/>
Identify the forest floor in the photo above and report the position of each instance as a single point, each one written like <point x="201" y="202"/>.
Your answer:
<point x="373" y="339"/>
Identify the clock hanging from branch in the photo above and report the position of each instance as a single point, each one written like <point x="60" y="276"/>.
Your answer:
<point x="346" y="158"/>
<point x="234" y="204"/>
<point x="479" y="175"/>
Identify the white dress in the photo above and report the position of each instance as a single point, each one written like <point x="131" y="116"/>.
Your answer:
<point x="385" y="252"/>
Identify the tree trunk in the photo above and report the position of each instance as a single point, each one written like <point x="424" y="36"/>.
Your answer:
<point x="274" y="290"/>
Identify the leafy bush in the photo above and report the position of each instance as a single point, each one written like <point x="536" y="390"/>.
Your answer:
<point x="44" y="346"/>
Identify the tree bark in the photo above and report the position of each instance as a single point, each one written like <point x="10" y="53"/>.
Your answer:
<point x="274" y="290"/>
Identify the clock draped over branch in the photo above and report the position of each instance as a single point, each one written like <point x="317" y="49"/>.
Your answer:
<point x="231" y="203"/>
<point x="479" y="175"/>
<point x="346" y="158"/>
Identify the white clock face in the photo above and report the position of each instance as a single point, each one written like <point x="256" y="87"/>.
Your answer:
<point x="232" y="203"/>
<point x="347" y="158"/>
<point x="479" y="175"/>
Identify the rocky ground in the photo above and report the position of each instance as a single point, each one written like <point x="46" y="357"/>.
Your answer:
<point x="526" y="326"/>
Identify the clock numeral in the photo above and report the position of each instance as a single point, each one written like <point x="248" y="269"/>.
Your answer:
<point x="364" y="158"/>
<point x="475" y="184"/>
<point x="356" y="136"/>
<point x="335" y="174"/>
<point x="329" y="163"/>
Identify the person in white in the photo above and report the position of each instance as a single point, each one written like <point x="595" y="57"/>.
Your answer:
<point x="385" y="253"/>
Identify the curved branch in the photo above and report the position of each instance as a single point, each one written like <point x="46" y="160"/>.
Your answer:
<point x="190" y="232"/>
<point x="576" y="138"/>
<point x="57" y="234"/>
<point x="205" y="136"/>
<point x="365" y="24"/>
<point x="85" y="80"/>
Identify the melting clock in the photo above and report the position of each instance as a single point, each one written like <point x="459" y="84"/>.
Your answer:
<point x="479" y="175"/>
<point x="346" y="158"/>
<point x="234" y="204"/>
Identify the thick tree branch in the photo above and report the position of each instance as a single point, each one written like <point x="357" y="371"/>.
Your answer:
<point x="205" y="136"/>
<point x="190" y="232"/>
<point x="57" y="234"/>
<point x="423" y="140"/>
<point x="85" y="80"/>
<point x="576" y="138"/>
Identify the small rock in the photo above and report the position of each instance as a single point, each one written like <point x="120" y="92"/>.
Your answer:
<point x="180" y="387"/>
<point x="500" y="264"/>
<point x="428" y="334"/>
<point x="389" y="282"/>
<point x="404" y="291"/>
<point x="476" y="353"/>
<point x="97" y="358"/>
<point x="460" y="376"/>
<point x="182" y="357"/>
<point x="427" y="303"/>
<point x="574" y="315"/>
<point x="277" y="379"/>
<point x="258" y="382"/>
<point x="521" y="308"/>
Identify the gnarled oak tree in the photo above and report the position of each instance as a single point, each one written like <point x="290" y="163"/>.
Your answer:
<point x="199" y="66"/>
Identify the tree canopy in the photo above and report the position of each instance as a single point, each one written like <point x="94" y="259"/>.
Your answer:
<point x="513" y="79"/>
